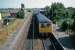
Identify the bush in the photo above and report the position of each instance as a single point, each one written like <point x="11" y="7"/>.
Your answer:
<point x="20" y="14"/>
<point x="64" y="26"/>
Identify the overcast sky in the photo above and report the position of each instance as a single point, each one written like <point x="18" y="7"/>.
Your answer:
<point x="34" y="3"/>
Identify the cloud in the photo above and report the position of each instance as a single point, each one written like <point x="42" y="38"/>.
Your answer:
<point x="43" y="3"/>
<point x="34" y="3"/>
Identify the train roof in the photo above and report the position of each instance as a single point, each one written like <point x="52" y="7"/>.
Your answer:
<point x="42" y="19"/>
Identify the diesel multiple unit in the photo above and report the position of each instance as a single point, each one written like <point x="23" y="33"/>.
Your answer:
<point x="44" y="24"/>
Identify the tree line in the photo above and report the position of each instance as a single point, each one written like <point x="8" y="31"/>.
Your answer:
<point x="62" y="16"/>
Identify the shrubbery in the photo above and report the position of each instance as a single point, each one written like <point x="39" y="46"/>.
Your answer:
<point x="57" y="13"/>
<point x="20" y="14"/>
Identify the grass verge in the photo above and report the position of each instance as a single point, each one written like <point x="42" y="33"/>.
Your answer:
<point x="7" y="30"/>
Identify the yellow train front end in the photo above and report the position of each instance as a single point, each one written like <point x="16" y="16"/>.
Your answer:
<point x="44" y="25"/>
<point x="45" y="28"/>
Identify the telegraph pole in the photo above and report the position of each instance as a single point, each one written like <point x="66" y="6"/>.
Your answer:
<point x="22" y="10"/>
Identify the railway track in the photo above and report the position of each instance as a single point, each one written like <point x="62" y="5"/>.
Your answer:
<point x="56" y="43"/>
<point x="33" y="42"/>
<point x="49" y="45"/>
<point x="36" y="42"/>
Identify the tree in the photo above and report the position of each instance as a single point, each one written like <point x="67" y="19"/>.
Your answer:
<point x="57" y="11"/>
<point x="67" y="25"/>
<point x="47" y="11"/>
<point x="73" y="15"/>
<point x="73" y="26"/>
<point x="20" y="13"/>
<point x="64" y="26"/>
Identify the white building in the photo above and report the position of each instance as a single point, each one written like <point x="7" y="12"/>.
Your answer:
<point x="0" y="16"/>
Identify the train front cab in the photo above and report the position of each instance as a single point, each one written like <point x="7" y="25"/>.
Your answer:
<point x="45" y="29"/>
